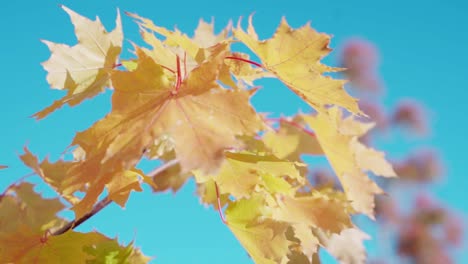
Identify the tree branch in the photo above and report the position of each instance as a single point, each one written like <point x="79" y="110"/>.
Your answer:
<point x="106" y="201"/>
<point x="75" y="223"/>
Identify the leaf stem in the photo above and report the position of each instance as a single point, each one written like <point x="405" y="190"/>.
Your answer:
<point x="220" y="211"/>
<point x="179" y="75"/>
<point x="244" y="60"/>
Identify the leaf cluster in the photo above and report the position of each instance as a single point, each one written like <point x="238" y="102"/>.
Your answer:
<point x="186" y="101"/>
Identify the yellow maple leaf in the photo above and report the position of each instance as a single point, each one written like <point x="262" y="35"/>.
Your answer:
<point x="84" y="69"/>
<point x="242" y="173"/>
<point x="54" y="174"/>
<point x="68" y="177"/>
<point x="265" y="240"/>
<point x="28" y="221"/>
<point x="197" y="50"/>
<point x="347" y="246"/>
<point x="173" y="38"/>
<point x="294" y="55"/>
<point x="308" y="241"/>
<point x="292" y="140"/>
<point x="315" y="210"/>
<point x="24" y="217"/>
<point x="145" y="109"/>
<point x="170" y="179"/>
<point x="349" y="159"/>
<point x="201" y="118"/>
<point x="204" y="34"/>
<point x="121" y="186"/>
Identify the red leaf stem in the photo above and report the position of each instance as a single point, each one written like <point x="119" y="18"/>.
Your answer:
<point x="244" y="60"/>
<point x="220" y="211"/>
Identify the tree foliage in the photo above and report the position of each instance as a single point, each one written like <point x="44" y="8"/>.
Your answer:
<point x="186" y="101"/>
<point x="427" y="232"/>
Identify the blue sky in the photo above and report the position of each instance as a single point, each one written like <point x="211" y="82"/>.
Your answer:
<point x="424" y="50"/>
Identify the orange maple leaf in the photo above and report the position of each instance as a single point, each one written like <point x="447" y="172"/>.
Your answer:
<point x="202" y="118"/>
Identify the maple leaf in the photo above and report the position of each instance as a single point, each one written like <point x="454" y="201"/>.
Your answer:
<point x="198" y="50"/>
<point x="68" y="177"/>
<point x="53" y="174"/>
<point x="349" y="158"/>
<point x="172" y="179"/>
<point x="204" y="34"/>
<point x="241" y="173"/>
<point x="174" y="38"/>
<point x="265" y="241"/>
<point x="120" y="187"/>
<point x="145" y="109"/>
<point x="347" y="246"/>
<point x="75" y="247"/>
<point x="27" y="220"/>
<point x="308" y="244"/>
<point x="293" y="55"/>
<point x="315" y="210"/>
<point x="292" y="140"/>
<point x="84" y="69"/>
<point x="24" y="217"/>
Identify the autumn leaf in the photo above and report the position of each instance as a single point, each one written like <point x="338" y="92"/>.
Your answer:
<point x="28" y="220"/>
<point x="3" y="167"/>
<point x="308" y="243"/>
<point x="68" y="177"/>
<point x="24" y="217"/>
<point x="173" y="38"/>
<point x="195" y="50"/>
<point x="292" y="140"/>
<point x="146" y="109"/>
<point x="314" y="211"/>
<point x="242" y="173"/>
<point x="349" y="158"/>
<point x="204" y="34"/>
<point x="293" y="55"/>
<point x="53" y="174"/>
<point x="84" y="69"/>
<point x="265" y="241"/>
<point x="171" y="179"/>
<point x="75" y="247"/>
<point x="121" y="186"/>
<point x="347" y="246"/>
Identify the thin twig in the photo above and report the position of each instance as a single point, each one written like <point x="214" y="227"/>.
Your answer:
<point x="75" y="223"/>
